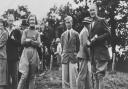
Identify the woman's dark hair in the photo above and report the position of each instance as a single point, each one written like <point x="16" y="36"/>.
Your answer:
<point x="30" y="17"/>
<point x="24" y="23"/>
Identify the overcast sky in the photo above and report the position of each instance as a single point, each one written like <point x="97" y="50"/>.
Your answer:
<point x="38" y="7"/>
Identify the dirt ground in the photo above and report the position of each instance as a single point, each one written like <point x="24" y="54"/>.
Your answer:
<point x="49" y="80"/>
<point x="52" y="80"/>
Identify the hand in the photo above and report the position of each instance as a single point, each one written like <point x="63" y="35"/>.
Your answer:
<point x="94" y="38"/>
<point x="34" y="43"/>
<point x="88" y="43"/>
<point x="28" y="40"/>
<point x="56" y="53"/>
<point x="41" y="45"/>
<point x="12" y="37"/>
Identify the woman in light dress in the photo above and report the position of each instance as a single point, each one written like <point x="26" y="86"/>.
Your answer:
<point x="29" y="61"/>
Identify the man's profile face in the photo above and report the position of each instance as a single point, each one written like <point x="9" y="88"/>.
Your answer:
<point x="93" y="12"/>
<point x="68" y="24"/>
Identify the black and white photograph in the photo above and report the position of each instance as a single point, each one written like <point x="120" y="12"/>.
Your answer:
<point x="64" y="44"/>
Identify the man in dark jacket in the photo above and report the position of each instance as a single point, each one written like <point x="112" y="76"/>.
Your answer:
<point x="98" y="36"/>
<point x="13" y="44"/>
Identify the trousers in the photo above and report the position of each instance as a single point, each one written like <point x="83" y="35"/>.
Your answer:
<point x="69" y="75"/>
<point x="13" y="74"/>
<point x="84" y="78"/>
<point x="27" y="79"/>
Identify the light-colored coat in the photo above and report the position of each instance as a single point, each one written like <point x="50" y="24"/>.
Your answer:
<point x="3" y="58"/>
<point x="69" y="47"/>
<point x="3" y="41"/>
<point x="83" y="41"/>
<point x="83" y="79"/>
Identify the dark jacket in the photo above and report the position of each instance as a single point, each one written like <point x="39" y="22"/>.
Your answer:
<point x="13" y="45"/>
<point x="99" y="50"/>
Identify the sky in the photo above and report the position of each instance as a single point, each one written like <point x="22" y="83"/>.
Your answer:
<point x="38" y="7"/>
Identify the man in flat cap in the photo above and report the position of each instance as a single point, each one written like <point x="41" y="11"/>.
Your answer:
<point x="83" y="56"/>
<point x="70" y="47"/>
<point x="99" y="35"/>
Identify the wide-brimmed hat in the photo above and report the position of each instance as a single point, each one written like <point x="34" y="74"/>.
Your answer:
<point x="87" y="20"/>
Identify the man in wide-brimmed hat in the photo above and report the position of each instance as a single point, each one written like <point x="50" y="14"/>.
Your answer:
<point x="83" y="56"/>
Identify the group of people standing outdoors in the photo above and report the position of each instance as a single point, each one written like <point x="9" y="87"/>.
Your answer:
<point x="21" y="51"/>
<point x="81" y="55"/>
<point x="85" y="56"/>
<point x="11" y="62"/>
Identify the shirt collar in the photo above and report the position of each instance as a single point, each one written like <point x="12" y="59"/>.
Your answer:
<point x="9" y="30"/>
<point x="70" y="29"/>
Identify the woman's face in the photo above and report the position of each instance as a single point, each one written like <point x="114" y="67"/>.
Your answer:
<point x="32" y="21"/>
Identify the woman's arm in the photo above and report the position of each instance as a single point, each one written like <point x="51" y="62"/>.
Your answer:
<point x="23" y="37"/>
<point x="36" y="42"/>
<point x="24" y="40"/>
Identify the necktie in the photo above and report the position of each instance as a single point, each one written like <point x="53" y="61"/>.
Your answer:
<point x="91" y="25"/>
<point x="68" y="35"/>
<point x="90" y="30"/>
